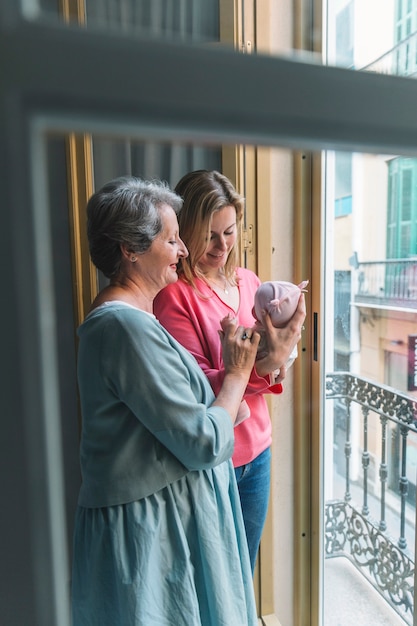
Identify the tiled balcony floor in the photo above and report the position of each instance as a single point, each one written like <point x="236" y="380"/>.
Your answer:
<point x="351" y="601"/>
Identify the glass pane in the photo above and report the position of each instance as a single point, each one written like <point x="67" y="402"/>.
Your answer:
<point x="371" y="336"/>
<point x="369" y="421"/>
<point x="369" y="427"/>
<point x="358" y="41"/>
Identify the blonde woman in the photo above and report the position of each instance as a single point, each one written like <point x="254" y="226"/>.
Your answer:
<point x="211" y="286"/>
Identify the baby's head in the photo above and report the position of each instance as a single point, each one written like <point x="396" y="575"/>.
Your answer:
<point x="279" y="298"/>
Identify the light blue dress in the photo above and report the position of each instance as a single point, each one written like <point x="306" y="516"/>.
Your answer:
<point x="159" y="537"/>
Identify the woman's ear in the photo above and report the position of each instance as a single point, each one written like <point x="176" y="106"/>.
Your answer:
<point x="127" y="254"/>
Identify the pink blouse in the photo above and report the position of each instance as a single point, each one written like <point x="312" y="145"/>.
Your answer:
<point x="195" y="321"/>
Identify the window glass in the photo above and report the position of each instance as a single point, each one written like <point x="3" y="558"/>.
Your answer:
<point x="343" y="184"/>
<point x="370" y="338"/>
<point x="370" y="450"/>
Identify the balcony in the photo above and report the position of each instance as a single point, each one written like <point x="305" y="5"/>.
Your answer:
<point x="387" y="284"/>
<point x="370" y="518"/>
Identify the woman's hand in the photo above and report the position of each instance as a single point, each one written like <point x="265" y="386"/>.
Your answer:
<point x="239" y="347"/>
<point x="280" y="342"/>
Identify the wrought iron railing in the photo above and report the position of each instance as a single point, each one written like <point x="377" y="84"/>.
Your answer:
<point x="391" y="283"/>
<point x="350" y="531"/>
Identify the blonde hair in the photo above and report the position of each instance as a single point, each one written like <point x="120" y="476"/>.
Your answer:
<point x="204" y="193"/>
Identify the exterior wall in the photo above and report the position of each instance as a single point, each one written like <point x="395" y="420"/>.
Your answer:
<point x="370" y="201"/>
<point x="385" y="332"/>
<point x="343" y="236"/>
<point x="373" y="37"/>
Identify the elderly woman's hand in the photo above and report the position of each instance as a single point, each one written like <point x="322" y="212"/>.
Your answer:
<point x="239" y="346"/>
<point x="281" y="341"/>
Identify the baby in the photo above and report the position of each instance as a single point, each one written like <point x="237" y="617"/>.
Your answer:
<point x="280" y="299"/>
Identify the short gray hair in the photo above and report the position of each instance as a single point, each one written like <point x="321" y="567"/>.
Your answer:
<point x="125" y="211"/>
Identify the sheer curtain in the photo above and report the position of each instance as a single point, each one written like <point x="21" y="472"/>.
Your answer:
<point x="149" y="159"/>
<point x="192" y="20"/>
<point x="187" y="20"/>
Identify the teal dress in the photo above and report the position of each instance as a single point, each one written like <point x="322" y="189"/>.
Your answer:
<point x="159" y="537"/>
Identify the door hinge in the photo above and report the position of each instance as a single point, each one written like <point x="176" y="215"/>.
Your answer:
<point x="248" y="239"/>
<point x="246" y="47"/>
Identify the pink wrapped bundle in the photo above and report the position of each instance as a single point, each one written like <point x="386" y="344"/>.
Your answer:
<point x="279" y="298"/>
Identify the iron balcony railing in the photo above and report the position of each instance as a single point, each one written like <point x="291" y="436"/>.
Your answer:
<point x="378" y="417"/>
<point x="389" y="283"/>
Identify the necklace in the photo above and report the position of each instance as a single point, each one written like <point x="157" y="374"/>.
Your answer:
<point x="223" y="287"/>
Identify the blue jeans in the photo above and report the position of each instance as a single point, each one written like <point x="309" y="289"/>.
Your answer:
<point x="253" y="481"/>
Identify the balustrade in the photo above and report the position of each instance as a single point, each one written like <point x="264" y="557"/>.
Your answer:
<point x="350" y="530"/>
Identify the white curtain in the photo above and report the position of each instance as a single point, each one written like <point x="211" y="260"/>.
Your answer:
<point x="187" y="20"/>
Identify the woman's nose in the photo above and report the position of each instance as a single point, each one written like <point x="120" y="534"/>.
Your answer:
<point x="221" y="242"/>
<point x="183" y="252"/>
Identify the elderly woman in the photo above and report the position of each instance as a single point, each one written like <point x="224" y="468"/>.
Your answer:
<point x="159" y="535"/>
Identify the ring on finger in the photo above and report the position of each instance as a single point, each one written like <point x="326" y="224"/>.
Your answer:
<point x="245" y="335"/>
